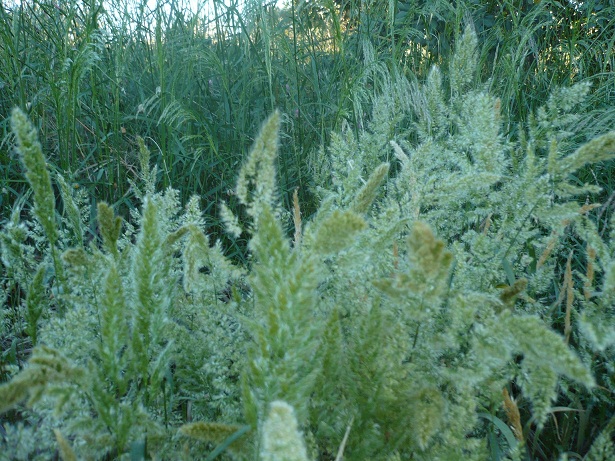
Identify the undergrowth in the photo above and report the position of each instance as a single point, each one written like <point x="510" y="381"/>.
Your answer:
<point x="451" y="297"/>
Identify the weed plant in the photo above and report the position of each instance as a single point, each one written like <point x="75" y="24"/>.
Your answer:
<point x="450" y="298"/>
<point x="138" y="319"/>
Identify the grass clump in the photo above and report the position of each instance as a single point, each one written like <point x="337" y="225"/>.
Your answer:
<point x="449" y="297"/>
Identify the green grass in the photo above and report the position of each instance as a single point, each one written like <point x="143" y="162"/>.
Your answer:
<point x="197" y="85"/>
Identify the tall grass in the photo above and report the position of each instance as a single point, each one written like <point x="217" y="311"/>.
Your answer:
<point x="195" y="85"/>
<point x="198" y="83"/>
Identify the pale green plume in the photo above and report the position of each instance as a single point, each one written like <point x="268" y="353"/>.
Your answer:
<point x="32" y="157"/>
<point x="66" y="451"/>
<point x="114" y="329"/>
<point x="147" y="173"/>
<point x="603" y="448"/>
<point x="109" y="226"/>
<point x="338" y="231"/>
<point x="368" y="193"/>
<point x="462" y="69"/>
<point x="72" y="213"/>
<point x="282" y="440"/>
<point x="36" y="302"/>
<point x="151" y="289"/>
<point x="546" y="357"/>
<point x="428" y="412"/>
<point x="230" y="437"/>
<point x="285" y="329"/>
<point x="429" y="263"/>
<point x="599" y="149"/>
<point x="256" y="182"/>
<point x="46" y="366"/>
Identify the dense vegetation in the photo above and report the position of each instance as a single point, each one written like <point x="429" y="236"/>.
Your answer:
<point x="414" y="260"/>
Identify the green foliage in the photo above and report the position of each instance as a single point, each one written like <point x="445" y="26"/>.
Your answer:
<point x="66" y="452"/>
<point x="46" y="367"/>
<point x="436" y="271"/>
<point x="603" y="448"/>
<point x="122" y="314"/>
<point x="502" y="208"/>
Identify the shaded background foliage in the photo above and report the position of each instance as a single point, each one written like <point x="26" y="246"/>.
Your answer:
<point x="196" y="84"/>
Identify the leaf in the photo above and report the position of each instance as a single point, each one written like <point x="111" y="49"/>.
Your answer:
<point x="502" y="427"/>
<point x="137" y="450"/>
<point x="510" y="274"/>
<point x="228" y="442"/>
